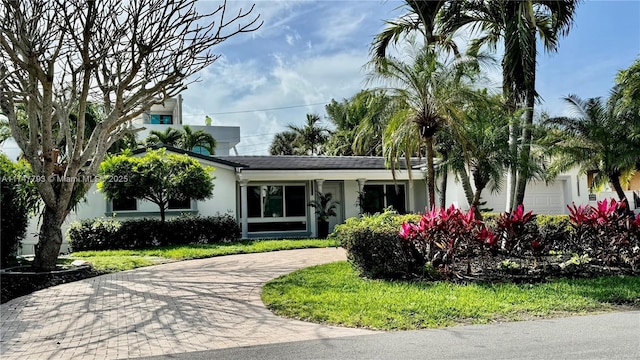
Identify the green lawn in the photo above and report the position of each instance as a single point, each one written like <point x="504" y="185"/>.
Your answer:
<point x="119" y="260"/>
<point x="334" y="294"/>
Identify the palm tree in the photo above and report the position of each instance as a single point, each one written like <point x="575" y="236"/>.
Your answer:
<point x="483" y="154"/>
<point x="421" y="18"/>
<point x="516" y="23"/>
<point x="360" y="122"/>
<point x="598" y="138"/>
<point x="310" y="137"/>
<point x="170" y="137"/>
<point x="428" y="93"/>
<point x="197" y="141"/>
<point x="284" y="144"/>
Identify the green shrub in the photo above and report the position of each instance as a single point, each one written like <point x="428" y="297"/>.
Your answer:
<point x="18" y="199"/>
<point x="376" y="250"/>
<point x="555" y="231"/>
<point x="111" y="234"/>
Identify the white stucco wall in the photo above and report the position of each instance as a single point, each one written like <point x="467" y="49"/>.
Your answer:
<point x="351" y="208"/>
<point x="570" y="187"/>
<point x="224" y="194"/>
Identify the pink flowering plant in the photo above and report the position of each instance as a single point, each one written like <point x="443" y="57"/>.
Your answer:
<point x="607" y="232"/>
<point x="445" y="233"/>
<point x="518" y="231"/>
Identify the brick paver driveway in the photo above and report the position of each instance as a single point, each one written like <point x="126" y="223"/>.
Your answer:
<point x="171" y="308"/>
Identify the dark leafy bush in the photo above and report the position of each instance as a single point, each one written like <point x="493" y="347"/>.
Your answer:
<point x="111" y="234"/>
<point x="375" y="248"/>
<point x="555" y="232"/>
<point x="18" y="199"/>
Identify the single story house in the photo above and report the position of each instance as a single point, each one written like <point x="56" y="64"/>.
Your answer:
<point x="269" y="195"/>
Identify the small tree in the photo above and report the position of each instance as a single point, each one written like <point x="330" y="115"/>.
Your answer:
<point x="157" y="177"/>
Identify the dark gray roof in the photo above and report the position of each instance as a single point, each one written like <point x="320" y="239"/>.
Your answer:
<point x="285" y="162"/>
<point x="290" y="162"/>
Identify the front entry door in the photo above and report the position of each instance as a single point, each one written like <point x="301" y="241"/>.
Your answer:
<point x="334" y="189"/>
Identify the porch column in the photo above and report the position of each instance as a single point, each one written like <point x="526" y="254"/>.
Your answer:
<point x="314" y="219"/>
<point x="361" y="183"/>
<point x="319" y="183"/>
<point x="244" y="206"/>
<point x="412" y="197"/>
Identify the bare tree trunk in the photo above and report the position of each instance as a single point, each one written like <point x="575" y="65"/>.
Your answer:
<point x="527" y="133"/>
<point x="615" y="182"/>
<point x="162" y="213"/>
<point x="476" y="203"/>
<point x="525" y="153"/>
<point x="466" y="186"/>
<point x="443" y="188"/>
<point x="431" y="173"/>
<point x="50" y="239"/>
<point x="512" y="171"/>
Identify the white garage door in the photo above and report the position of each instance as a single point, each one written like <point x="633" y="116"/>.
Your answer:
<point x="539" y="197"/>
<point x="543" y="199"/>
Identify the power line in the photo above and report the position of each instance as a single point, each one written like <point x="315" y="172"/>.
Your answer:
<point x="268" y="109"/>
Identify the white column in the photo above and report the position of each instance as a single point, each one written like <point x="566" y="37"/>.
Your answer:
<point x="412" y="198"/>
<point x="313" y="228"/>
<point x="314" y="220"/>
<point x="361" y="183"/>
<point x="245" y="208"/>
<point x="319" y="183"/>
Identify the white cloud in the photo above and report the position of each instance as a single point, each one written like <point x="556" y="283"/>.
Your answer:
<point x="288" y="81"/>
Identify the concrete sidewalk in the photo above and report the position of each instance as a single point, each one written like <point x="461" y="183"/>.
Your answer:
<point x="166" y="309"/>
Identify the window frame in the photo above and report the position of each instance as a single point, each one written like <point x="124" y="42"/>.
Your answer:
<point x="278" y="219"/>
<point x="113" y="208"/>
<point x="385" y="196"/>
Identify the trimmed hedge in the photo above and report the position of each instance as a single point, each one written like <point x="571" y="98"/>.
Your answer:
<point x="111" y="234"/>
<point x="376" y="250"/>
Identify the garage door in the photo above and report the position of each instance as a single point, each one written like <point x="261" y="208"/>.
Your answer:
<point x="539" y="197"/>
<point x="545" y="199"/>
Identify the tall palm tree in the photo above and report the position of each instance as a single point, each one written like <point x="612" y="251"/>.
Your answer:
<point x="284" y="144"/>
<point x="598" y="138"/>
<point x="310" y="137"/>
<point x="420" y="18"/>
<point x="197" y="141"/>
<point x="170" y="136"/>
<point x="429" y="93"/>
<point x="516" y="24"/>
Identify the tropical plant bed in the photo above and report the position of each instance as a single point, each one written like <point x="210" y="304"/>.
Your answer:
<point x="21" y="280"/>
<point x="335" y="294"/>
<point x="505" y="268"/>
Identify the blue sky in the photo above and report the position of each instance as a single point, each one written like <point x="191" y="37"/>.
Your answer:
<point x="309" y="52"/>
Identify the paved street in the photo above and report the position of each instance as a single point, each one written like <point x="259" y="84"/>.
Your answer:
<point x="173" y="308"/>
<point x="601" y="337"/>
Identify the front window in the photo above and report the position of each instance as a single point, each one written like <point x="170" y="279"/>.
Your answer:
<point x="377" y="197"/>
<point x="179" y="204"/>
<point x="276" y="208"/>
<point x="124" y="204"/>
